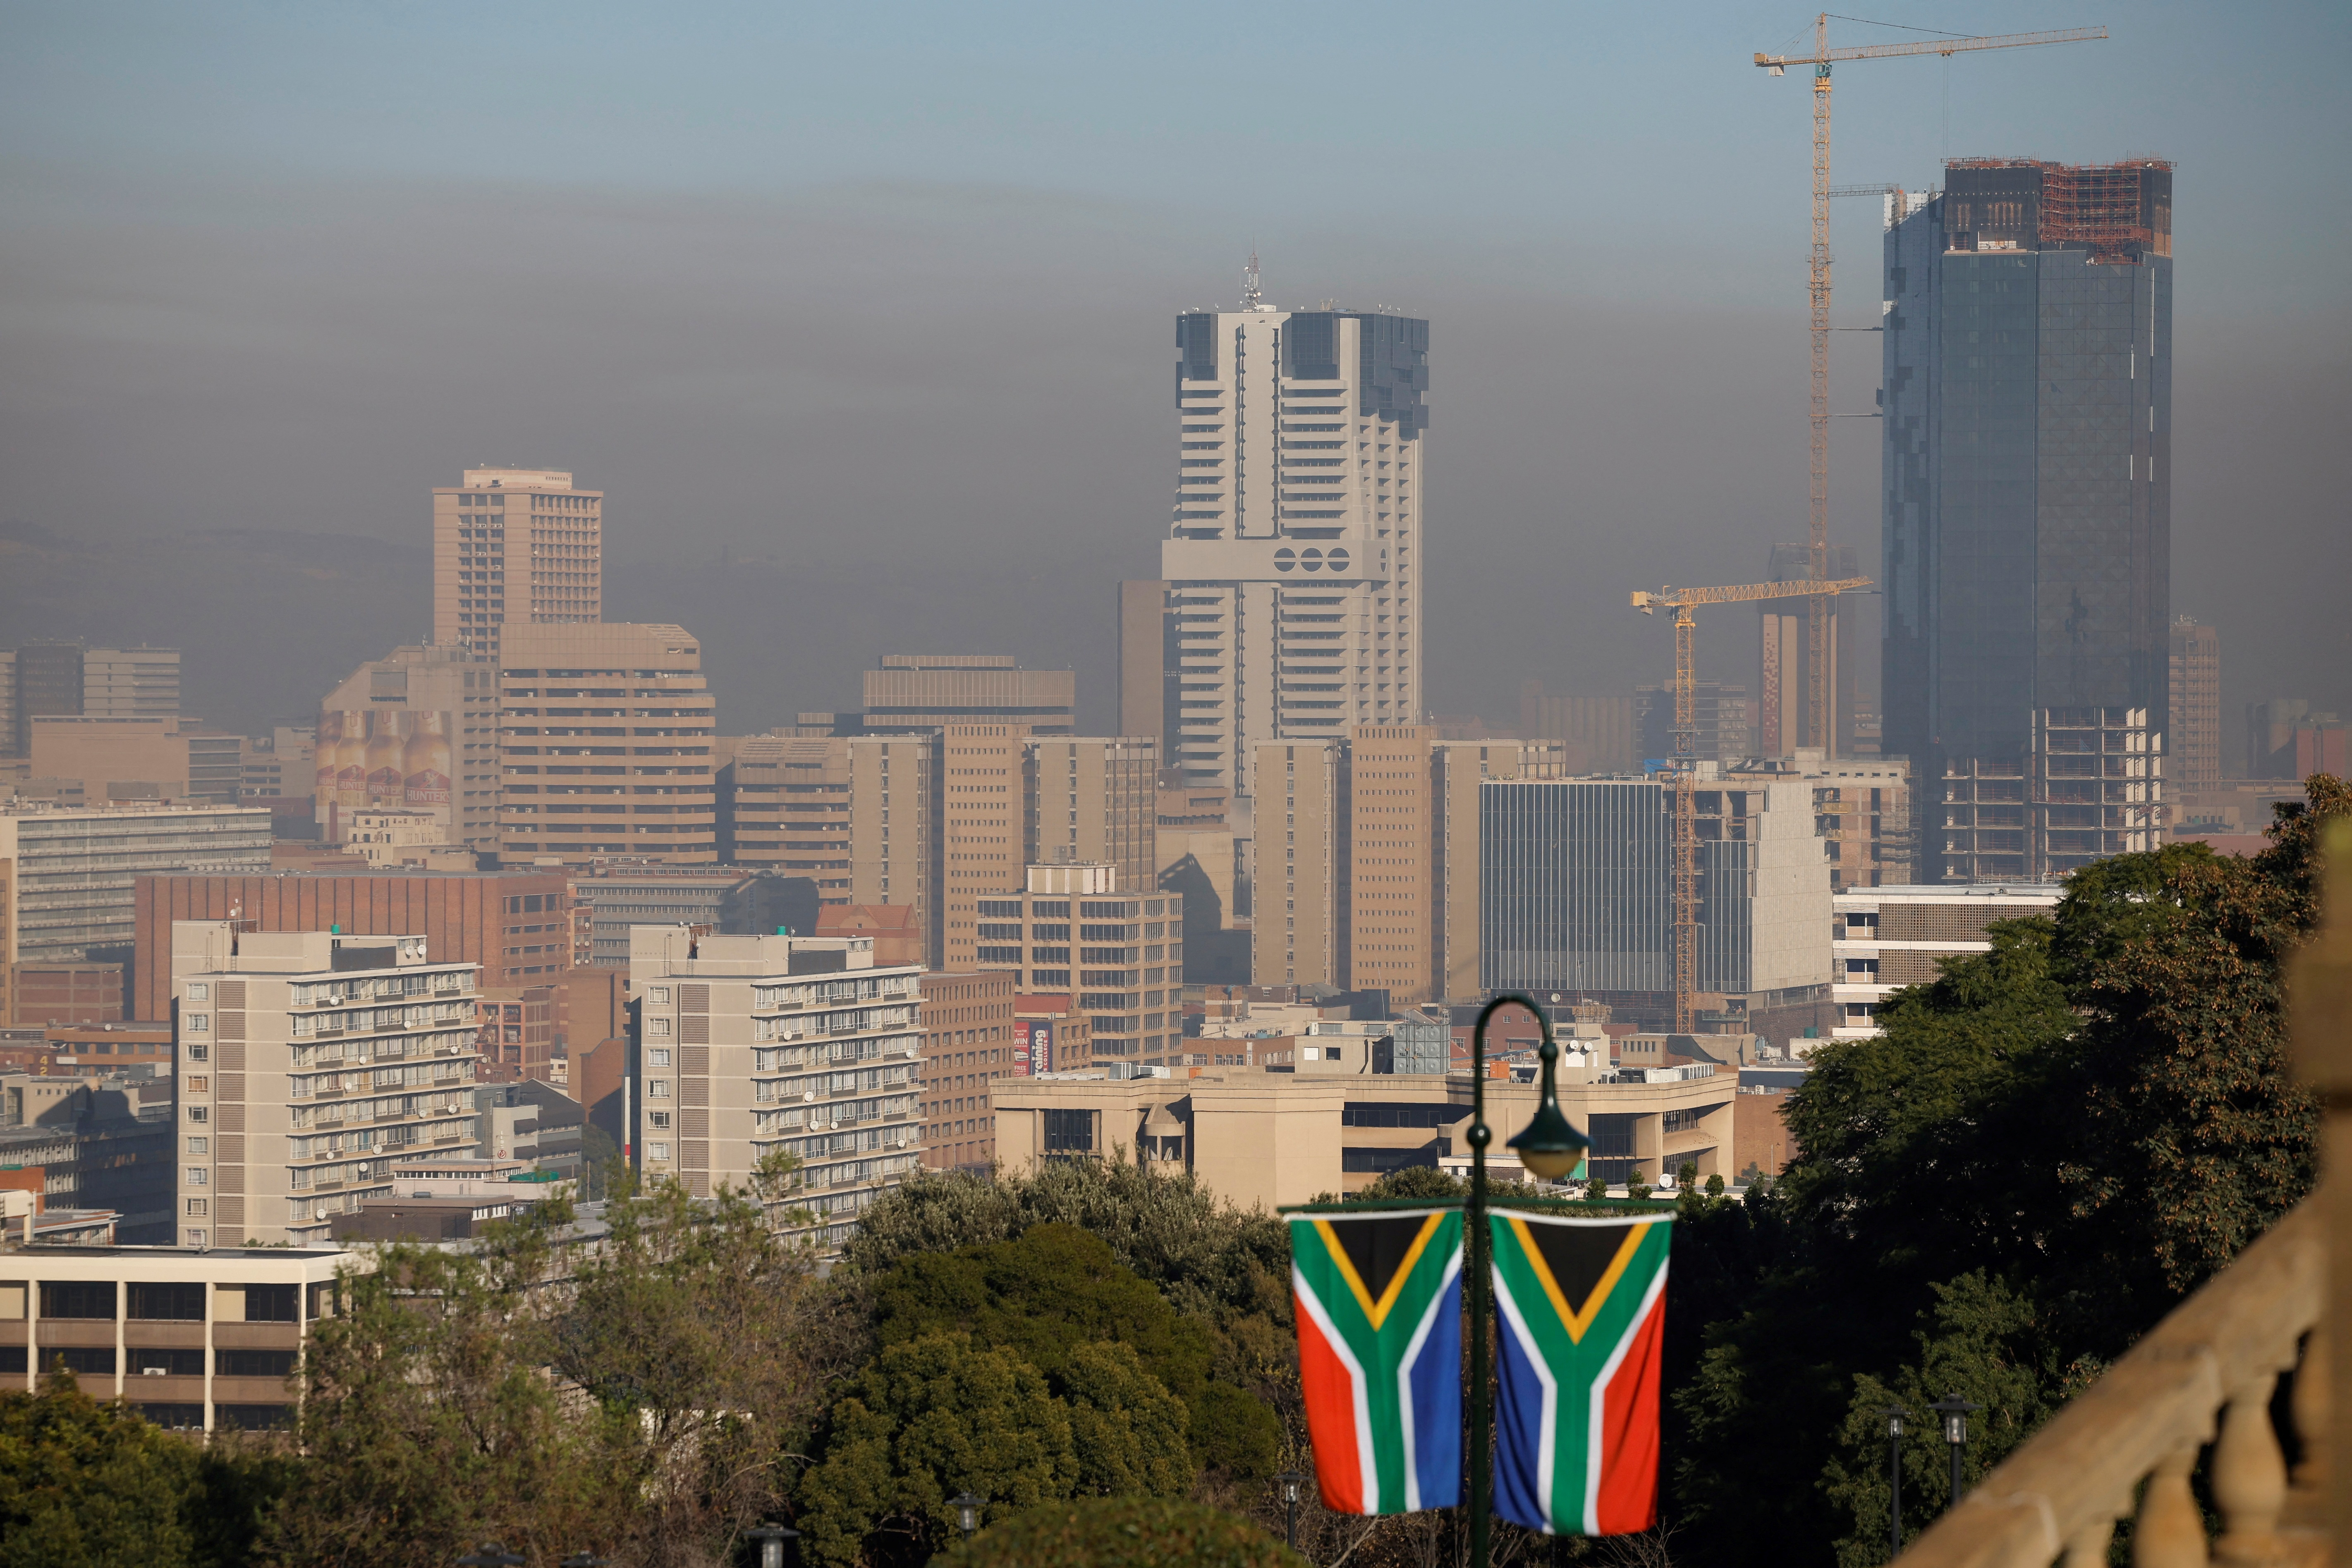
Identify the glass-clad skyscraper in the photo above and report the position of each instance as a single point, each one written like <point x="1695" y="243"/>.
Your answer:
<point x="2027" y="486"/>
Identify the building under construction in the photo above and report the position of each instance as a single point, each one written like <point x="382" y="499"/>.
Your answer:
<point x="2027" y="491"/>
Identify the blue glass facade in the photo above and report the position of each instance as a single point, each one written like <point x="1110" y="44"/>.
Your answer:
<point x="2027" y="473"/>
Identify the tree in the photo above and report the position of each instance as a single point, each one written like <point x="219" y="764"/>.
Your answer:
<point x="85" y="1485"/>
<point x="1122" y="1533"/>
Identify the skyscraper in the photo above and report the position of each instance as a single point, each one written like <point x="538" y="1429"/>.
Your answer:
<point x="1293" y="556"/>
<point x="2196" y="705"/>
<point x="515" y="545"/>
<point x="2027" y="491"/>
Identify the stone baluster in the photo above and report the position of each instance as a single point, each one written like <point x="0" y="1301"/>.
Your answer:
<point x="2088" y="1549"/>
<point x="2249" y="1476"/>
<point x="2170" y="1532"/>
<point x="2309" y="1406"/>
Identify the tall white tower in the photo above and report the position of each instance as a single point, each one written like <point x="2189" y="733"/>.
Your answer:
<point x="1292" y="560"/>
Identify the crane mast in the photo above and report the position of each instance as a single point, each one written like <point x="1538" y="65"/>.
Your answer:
<point x="1817" y="616"/>
<point x="1685" y="602"/>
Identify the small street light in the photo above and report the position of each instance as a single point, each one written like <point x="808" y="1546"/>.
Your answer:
<point x="490" y="1554"/>
<point x="1291" y="1482"/>
<point x="966" y="1508"/>
<point x="1955" y="1412"/>
<point x="771" y="1537"/>
<point x="1895" y="1415"/>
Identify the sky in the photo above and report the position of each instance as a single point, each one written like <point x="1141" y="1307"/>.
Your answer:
<point x="883" y="293"/>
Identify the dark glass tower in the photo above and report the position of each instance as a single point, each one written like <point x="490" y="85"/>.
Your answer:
<point x="2027" y="489"/>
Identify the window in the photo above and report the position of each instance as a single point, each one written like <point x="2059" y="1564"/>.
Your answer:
<point x="270" y="1304"/>
<point x="661" y="995"/>
<point x="250" y="1417"/>
<point x="658" y="1090"/>
<point x="660" y="1058"/>
<point x="199" y="1145"/>
<point x="79" y="1299"/>
<point x="254" y="1363"/>
<point x="198" y="1176"/>
<point x="198" y="1208"/>
<point x="79" y="1359"/>
<point x="657" y="1120"/>
<point x="153" y="1363"/>
<point x="657" y="1151"/>
<point x="195" y="1237"/>
<point x="199" y="1112"/>
<point x="657" y="1026"/>
<point x="199" y="991"/>
<point x="1070" y="1132"/>
<point x="196" y="1023"/>
<point x="195" y="1053"/>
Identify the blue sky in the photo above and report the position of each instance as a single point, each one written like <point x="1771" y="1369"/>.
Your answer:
<point x="894" y="279"/>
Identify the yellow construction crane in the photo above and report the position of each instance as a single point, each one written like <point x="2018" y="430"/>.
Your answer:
<point x="1816" y="628"/>
<point x="1682" y="601"/>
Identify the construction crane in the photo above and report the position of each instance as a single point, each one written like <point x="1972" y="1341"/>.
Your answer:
<point x="1682" y="601"/>
<point x="1817" y="627"/>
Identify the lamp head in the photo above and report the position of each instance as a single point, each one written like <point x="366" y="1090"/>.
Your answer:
<point x="1895" y="1415"/>
<point x="1955" y="1412"/>
<point x="1550" y="1147"/>
<point x="966" y="1508"/>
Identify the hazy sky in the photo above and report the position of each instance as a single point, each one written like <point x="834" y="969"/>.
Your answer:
<point x="886" y="291"/>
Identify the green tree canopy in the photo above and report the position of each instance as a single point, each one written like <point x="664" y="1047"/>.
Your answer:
<point x="1122" y="1533"/>
<point x="85" y="1485"/>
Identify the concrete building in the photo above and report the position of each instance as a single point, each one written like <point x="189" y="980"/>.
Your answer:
<point x="755" y="1046"/>
<point x="71" y="875"/>
<point x="968" y="1044"/>
<point x="514" y="926"/>
<point x="2287" y="739"/>
<point x="2195" y="702"/>
<point x="307" y="1060"/>
<point x="200" y="1340"/>
<point x="1862" y="811"/>
<point x="282" y="765"/>
<point x="604" y="744"/>
<point x="1884" y="938"/>
<point x="1293" y="558"/>
<point x="514" y="546"/>
<point x="1073" y="929"/>
<point x="1366" y="873"/>
<point x="1253" y="1135"/>
<point x="115" y="757"/>
<point x="92" y="1144"/>
<point x="921" y="692"/>
<point x="2027" y="485"/>
<point x="1201" y="859"/>
<point x="64" y="678"/>
<point x="1577" y="897"/>
<point x="1784" y="695"/>
<point x="416" y="731"/>
<point x="1596" y="732"/>
<point x="1726" y="734"/>
<point x="612" y="899"/>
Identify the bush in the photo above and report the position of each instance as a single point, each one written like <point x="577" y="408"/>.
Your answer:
<point x="1122" y="1533"/>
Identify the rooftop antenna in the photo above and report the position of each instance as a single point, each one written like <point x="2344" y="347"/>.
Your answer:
<point x="1250" y="297"/>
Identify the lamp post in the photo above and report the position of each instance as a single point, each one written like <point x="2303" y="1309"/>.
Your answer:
<point x="1291" y="1482"/>
<point x="1549" y="1148"/>
<point x="490" y="1554"/>
<point x="966" y="1508"/>
<point x="1955" y="1412"/>
<point x="1895" y="1415"/>
<point x="771" y="1537"/>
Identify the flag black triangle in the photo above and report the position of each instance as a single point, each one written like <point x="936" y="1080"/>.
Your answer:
<point x="1377" y="1245"/>
<point x="1578" y="1256"/>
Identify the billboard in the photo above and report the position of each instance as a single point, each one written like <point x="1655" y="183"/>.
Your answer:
<point x="1032" y="1047"/>
<point x="384" y="758"/>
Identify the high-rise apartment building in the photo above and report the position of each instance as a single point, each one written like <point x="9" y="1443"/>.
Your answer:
<point x="306" y="1063"/>
<point x="2027" y="473"/>
<point x="1293" y="558"/>
<point x="415" y="731"/>
<point x="2196" y="705"/>
<point x="604" y="744"/>
<point x="927" y="691"/>
<point x="968" y="1044"/>
<point x="1785" y="679"/>
<point x="1116" y="951"/>
<point x="1366" y="872"/>
<point x="1577" y="898"/>
<point x="514" y="546"/>
<point x="753" y="1046"/>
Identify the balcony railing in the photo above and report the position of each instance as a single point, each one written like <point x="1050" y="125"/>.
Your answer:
<point x="2203" y="1382"/>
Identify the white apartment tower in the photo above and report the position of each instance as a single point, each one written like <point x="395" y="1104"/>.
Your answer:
<point x="515" y="546"/>
<point x="1293" y="559"/>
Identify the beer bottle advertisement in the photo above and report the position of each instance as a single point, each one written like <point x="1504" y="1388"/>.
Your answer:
<point x="425" y="767"/>
<point x="385" y="744"/>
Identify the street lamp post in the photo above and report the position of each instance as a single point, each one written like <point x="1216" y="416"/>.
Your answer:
<point x="1549" y="1148"/>
<point x="1955" y="1412"/>
<point x="1895" y="1415"/>
<point x="1291" y="1482"/>
<point x="771" y="1537"/>
<point x="966" y="1508"/>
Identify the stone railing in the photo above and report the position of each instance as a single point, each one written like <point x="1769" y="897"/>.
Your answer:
<point x="2207" y="1374"/>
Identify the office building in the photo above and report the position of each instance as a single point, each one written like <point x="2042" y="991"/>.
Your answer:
<point x="414" y="731"/>
<point x="89" y="1142"/>
<point x="2287" y="738"/>
<point x="604" y="744"/>
<point x="755" y="1046"/>
<point x="73" y="875"/>
<point x="968" y="1044"/>
<point x="65" y="679"/>
<point x="2027" y="472"/>
<point x="193" y="1340"/>
<point x="1884" y="938"/>
<point x="1862" y="811"/>
<point x="307" y="1060"/>
<point x="1720" y="712"/>
<point x="1121" y="953"/>
<point x="1201" y="858"/>
<point x="610" y="899"/>
<point x="2195" y="702"/>
<point x="917" y="692"/>
<point x="112" y="758"/>
<point x="513" y="926"/>
<point x="1577" y="896"/>
<point x="282" y="765"/>
<point x="1366" y="873"/>
<point x="514" y="546"/>
<point x="1293" y="558"/>
<point x="1784" y="696"/>
<point x="1596" y="732"/>
<point x="2097" y="788"/>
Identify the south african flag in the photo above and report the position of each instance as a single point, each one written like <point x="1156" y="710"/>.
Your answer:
<point x="1380" y="1355"/>
<point x="1581" y="1305"/>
